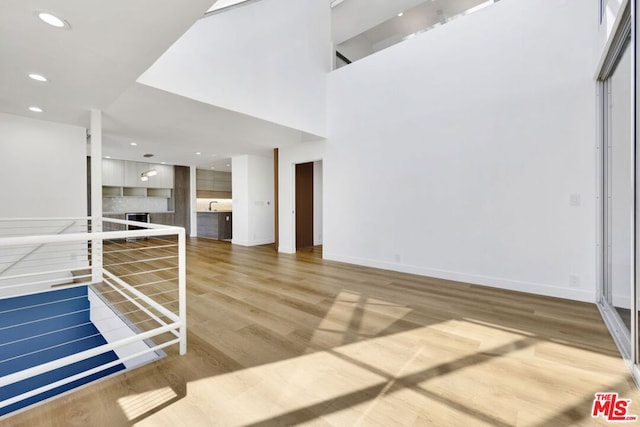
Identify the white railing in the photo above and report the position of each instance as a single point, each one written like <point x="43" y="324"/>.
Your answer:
<point x="138" y="303"/>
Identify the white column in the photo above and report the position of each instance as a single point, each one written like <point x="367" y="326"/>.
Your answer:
<point x="240" y="193"/>
<point x="192" y="202"/>
<point x="182" y="291"/>
<point x="252" y="188"/>
<point x="96" y="194"/>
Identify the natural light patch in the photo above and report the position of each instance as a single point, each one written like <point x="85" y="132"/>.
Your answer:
<point x="221" y="4"/>
<point x="136" y="405"/>
<point x="485" y="335"/>
<point x="276" y="389"/>
<point x="378" y="315"/>
<point x="436" y="373"/>
<point x="409" y="352"/>
<point x="339" y="316"/>
<point x="353" y="317"/>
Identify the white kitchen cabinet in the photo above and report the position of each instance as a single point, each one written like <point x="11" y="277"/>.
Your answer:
<point x="133" y="172"/>
<point x="112" y="173"/>
<point x="163" y="178"/>
<point x="124" y="178"/>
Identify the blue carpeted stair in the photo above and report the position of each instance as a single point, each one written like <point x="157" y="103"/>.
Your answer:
<point x="36" y="329"/>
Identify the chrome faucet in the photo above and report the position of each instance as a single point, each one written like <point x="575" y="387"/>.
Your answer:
<point x="210" y="203"/>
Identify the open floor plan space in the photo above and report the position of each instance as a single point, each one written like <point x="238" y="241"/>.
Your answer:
<point x="281" y="339"/>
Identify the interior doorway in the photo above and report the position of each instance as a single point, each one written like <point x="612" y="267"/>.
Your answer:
<point x="304" y="205"/>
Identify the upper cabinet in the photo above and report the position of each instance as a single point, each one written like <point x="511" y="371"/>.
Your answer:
<point x="213" y="184"/>
<point x="133" y="174"/>
<point x="113" y="173"/>
<point x="123" y="173"/>
<point x="163" y="178"/>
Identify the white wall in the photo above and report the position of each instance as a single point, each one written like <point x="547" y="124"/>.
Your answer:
<point x="42" y="168"/>
<point x="288" y="157"/>
<point x="252" y="188"/>
<point x="456" y="154"/>
<point x="43" y="171"/>
<point x="317" y="202"/>
<point x="240" y="202"/>
<point x="267" y="59"/>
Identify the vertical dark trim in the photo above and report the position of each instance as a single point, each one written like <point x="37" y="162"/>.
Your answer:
<point x="276" y="198"/>
<point x="182" y="198"/>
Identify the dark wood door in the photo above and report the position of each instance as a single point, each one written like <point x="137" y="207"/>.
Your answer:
<point x="304" y="205"/>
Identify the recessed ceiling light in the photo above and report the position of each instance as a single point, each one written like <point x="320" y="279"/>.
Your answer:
<point x="198" y="153"/>
<point x="107" y="157"/>
<point x="401" y="13"/>
<point x="53" y="20"/>
<point x="133" y="144"/>
<point x="228" y="165"/>
<point x="164" y="163"/>
<point x="37" y="77"/>
<point x="35" y="109"/>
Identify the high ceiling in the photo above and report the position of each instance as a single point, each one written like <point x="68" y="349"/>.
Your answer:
<point x="108" y="45"/>
<point x="95" y="64"/>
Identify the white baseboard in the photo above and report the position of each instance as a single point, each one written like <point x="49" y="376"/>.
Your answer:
<point x="254" y="243"/>
<point x="496" y="282"/>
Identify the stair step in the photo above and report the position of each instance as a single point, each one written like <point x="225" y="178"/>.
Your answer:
<point x="50" y="312"/>
<point x="42" y="298"/>
<point x="40" y="327"/>
<point x="36" y="329"/>
<point x="44" y="348"/>
<point x="20" y="387"/>
<point x="91" y="339"/>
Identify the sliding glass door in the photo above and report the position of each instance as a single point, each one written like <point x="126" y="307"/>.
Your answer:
<point x="619" y="185"/>
<point x="619" y="189"/>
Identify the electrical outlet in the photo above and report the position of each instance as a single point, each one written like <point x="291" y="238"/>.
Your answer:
<point x="574" y="281"/>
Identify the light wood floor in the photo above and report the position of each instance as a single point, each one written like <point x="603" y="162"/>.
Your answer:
<point x="291" y="339"/>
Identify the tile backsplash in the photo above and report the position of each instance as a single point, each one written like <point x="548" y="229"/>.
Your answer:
<point x="135" y="204"/>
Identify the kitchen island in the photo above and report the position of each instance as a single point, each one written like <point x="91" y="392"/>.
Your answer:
<point x="215" y="224"/>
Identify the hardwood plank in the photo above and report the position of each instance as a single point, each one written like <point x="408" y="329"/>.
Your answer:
<point x="277" y="339"/>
